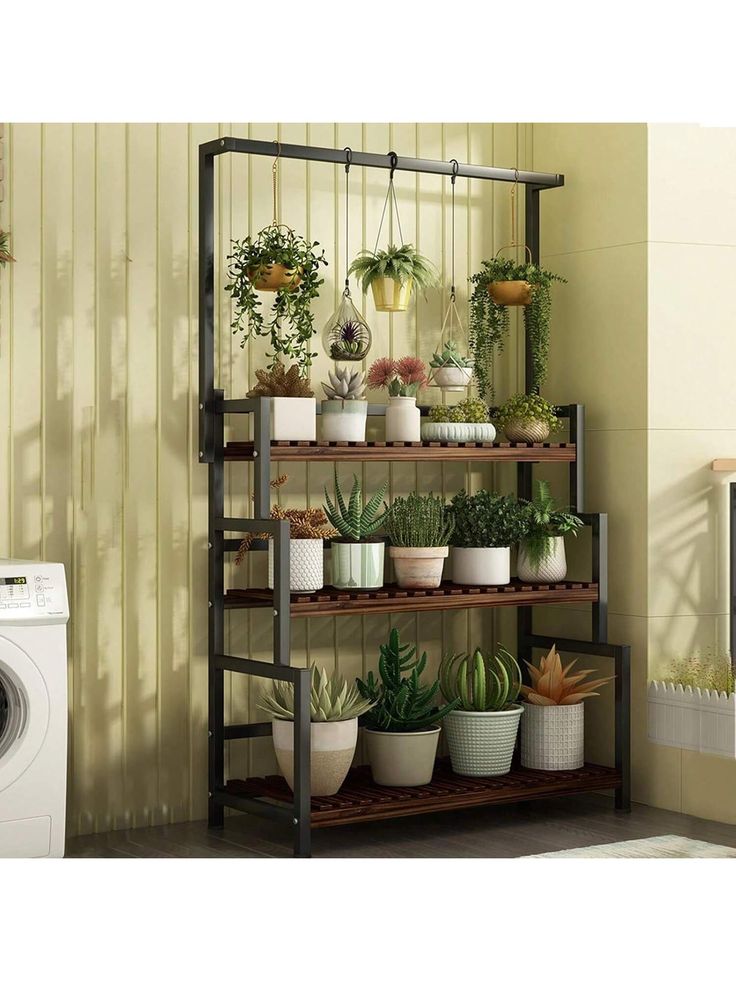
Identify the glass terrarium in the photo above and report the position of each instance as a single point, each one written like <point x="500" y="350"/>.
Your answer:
<point x="346" y="335"/>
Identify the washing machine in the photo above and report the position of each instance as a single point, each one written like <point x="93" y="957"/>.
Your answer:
<point x="34" y="611"/>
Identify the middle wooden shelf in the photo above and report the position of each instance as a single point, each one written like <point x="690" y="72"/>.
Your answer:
<point x="363" y="452"/>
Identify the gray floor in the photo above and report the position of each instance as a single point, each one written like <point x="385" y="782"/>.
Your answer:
<point x="491" y="832"/>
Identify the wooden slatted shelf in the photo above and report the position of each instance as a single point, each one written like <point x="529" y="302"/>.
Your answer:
<point x="390" y="599"/>
<point x="362" y="800"/>
<point x="486" y="452"/>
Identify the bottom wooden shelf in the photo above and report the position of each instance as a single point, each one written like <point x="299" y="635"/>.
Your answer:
<point x="361" y="800"/>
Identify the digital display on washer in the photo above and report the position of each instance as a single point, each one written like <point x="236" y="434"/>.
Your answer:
<point x="14" y="581"/>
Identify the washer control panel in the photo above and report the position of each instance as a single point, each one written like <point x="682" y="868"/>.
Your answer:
<point x="32" y="592"/>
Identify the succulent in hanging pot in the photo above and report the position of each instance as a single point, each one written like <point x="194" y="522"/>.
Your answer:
<point x="391" y="273"/>
<point x="293" y="406"/>
<point x="526" y="418"/>
<point x="541" y="556"/>
<point x="402" y="379"/>
<point x="418" y="528"/>
<point x="451" y="370"/>
<point x="357" y="555"/>
<point x="346" y="335"/>
<point x="345" y="411"/>
<point x="466" y="422"/>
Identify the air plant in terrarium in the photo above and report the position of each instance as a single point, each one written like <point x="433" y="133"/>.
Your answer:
<point x="346" y="336"/>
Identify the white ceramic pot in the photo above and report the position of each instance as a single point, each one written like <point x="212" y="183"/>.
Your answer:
<point x="418" y="568"/>
<point x="452" y="377"/>
<point x="481" y="744"/>
<point x="552" y="568"/>
<point x="402" y="759"/>
<point x="481" y="566"/>
<point x="344" y="420"/>
<point x="307" y="564"/>
<point x="458" y="432"/>
<point x="403" y="420"/>
<point x="553" y="737"/>
<point x="332" y="748"/>
<point x="390" y="296"/>
<point x="357" y="565"/>
<point x="293" y="419"/>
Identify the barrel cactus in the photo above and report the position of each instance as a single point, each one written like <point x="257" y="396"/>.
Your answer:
<point x="482" y="682"/>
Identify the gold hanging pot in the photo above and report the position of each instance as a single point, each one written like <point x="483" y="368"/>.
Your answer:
<point x="511" y="292"/>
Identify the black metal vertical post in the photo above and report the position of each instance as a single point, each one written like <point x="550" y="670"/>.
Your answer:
<point x="302" y="750"/>
<point x="732" y="573"/>
<point x="282" y="594"/>
<point x="577" y="467"/>
<point x="216" y="621"/>
<point x="262" y="457"/>
<point x="622" y="725"/>
<point x="206" y="305"/>
<point x="600" y="575"/>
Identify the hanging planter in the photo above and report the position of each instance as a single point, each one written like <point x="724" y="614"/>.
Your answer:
<point x="273" y="277"/>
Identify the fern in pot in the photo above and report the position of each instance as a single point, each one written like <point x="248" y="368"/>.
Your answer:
<point x="391" y="273"/>
<point x="486" y="526"/>
<point x="541" y="556"/>
<point x="418" y="528"/>
<point x="345" y="410"/>
<point x="357" y="554"/>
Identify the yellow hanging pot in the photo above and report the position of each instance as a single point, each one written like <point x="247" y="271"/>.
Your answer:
<point x="391" y="296"/>
<point x="274" y="277"/>
<point x="511" y="292"/>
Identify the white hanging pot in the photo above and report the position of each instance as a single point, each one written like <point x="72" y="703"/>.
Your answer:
<point x="357" y="565"/>
<point x="481" y="744"/>
<point x="332" y="748"/>
<point x="344" y="420"/>
<point x="403" y="420"/>
<point x="552" y="737"/>
<point x="452" y="378"/>
<point x="306" y="562"/>
<point x="551" y="568"/>
<point x="293" y="419"/>
<point x="481" y="566"/>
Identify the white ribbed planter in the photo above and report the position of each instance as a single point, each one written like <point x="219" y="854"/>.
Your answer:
<point x="306" y="558"/>
<point x="403" y="420"/>
<point x="687" y="718"/>
<point x="332" y="748"/>
<point x="293" y="418"/>
<point x="458" y="432"/>
<point x="402" y="759"/>
<point x="344" y="420"/>
<point x="552" y="736"/>
<point x="418" y="568"/>
<point x="552" y="568"/>
<point x="481" y="566"/>
<point x="482" y="744"/>
<point x="452" y="377"/>
<point x="357" y="565"/>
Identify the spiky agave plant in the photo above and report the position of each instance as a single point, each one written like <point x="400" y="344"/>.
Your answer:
<point x="419" y="521"/>
<point x="332" y="699"/>
<point x="554" y="685"/>
<point x="354" y="522"/>
<point x="481" y="682"/>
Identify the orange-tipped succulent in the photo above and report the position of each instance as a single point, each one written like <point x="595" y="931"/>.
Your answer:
<point x="554" y="685"/>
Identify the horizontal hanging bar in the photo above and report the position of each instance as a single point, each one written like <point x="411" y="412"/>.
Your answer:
<point x="415" y="165"/>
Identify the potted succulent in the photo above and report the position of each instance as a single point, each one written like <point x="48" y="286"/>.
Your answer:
<point x="541" y="556"/>
<point x="499" y="284"/>
<point x="401" y="725"/>
<point x="279" y="261"/>
<point x="466" y="422"/>
<point x="526" y="418"/>
<point x="334" y="710"/>
<point x="308" y="530"/>
<point x="391" y="273"/>
<point x="403" y="379"/>
<point x="452" y="371"/>
<point x="293" y="406"/>
<point x="345" y="411"/>
<point x="357" y="555"/>
<point x="481" y="731"/>
<point x="418" y="528"/>
<point x="552" y="728"/>
<point x="486" y="526"/>
<point x="347" y="336"/>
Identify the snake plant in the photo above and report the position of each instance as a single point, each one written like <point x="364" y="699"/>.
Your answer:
<point x="353" y="521"/>
<point x="480" y="682"/>
<point x="332" y="699"/>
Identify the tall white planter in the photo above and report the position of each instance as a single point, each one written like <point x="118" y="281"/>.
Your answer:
<point x="344" y="420"/>
<point x="293" y="419"/>
<point x="403" y="420"/>
<point x="553" y="737"/>
<point x="687" y="718"/>
<point x="481" y="566"/>
<point x="357" y="565"/>
<point x="482" y="744"/>
<point x="332" y="748"/>
<point x="307" y="564"/>
<point x="552" y="568"/>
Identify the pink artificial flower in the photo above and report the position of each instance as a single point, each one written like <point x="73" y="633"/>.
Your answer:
<point x="381" y="373"/>
<point x="412" y="371"/>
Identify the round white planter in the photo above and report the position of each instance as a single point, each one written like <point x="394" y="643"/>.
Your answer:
<point x="552" y="568"/>
<point x="482" y="744"/>
<point x="402" y="759"/>
<point x="552" y="737"/>
<point x="293" y="419"/>
<point x="357" y="565"/>
<point x="418" y="568"/>
<point x="331" y="752"/>
<point x="458" y="432"/>
<point x="481" y="566"/>
<point x="403" y="420"/>
<point x="343" y="420"/>
<point x="452" y="377"/>
<point x="307" y="565"/>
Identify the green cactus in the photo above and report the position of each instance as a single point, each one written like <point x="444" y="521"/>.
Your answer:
<point x="353" y="521"/>
<point x="480" y="682"/>
<point x="331" y="699"/>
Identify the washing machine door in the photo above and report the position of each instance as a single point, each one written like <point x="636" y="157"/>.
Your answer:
<point x="24" y="712"/>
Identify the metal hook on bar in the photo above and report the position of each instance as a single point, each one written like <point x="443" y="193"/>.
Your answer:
<point x="348" y="159"/>
<point x="394" y="160"/>
<point x="455" y="169"/>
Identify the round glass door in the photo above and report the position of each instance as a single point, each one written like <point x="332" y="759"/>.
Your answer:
<point x="24" y="712"/>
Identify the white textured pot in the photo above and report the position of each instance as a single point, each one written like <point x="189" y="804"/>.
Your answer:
<point x="418" y="568"/>
<point x="481" y="566"/>
<point x="403" y="420"/>
<point x="697" y="719"/>
<point x="552" y="737"/>
<point x="402" y="759"/>
<point x="458" y="432"/>
<point x="344" y="420"/>
<point x="482" y="744"/>
<point x="452" y="377"/>
<point x="357" y="565"/>
<point x="293" y="419"/>
<point x="332" y="748"/>
<point x="390" y="296"/>
<point x="307" y="564"/>
<point x="552" y="568"/>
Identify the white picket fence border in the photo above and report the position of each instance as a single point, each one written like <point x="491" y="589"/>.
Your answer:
<point x="688" y="718"/>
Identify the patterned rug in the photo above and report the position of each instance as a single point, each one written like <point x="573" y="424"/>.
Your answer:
<point x="665" y="846"/>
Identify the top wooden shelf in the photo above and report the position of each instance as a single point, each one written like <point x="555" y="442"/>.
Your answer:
<point x="408" y="452"/>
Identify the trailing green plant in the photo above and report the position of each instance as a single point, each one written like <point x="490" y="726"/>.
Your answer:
<point x="5" y="254"/>
<point x="544" y="521"/>
<point x="354" y="522"/>
<point x="290" y="326"/>
<point x="401" y="701"/>
<point x="529" y="407"/>
<point x="346" y="384"/>
<point x="398" y="262"/>
<point x="481" y="682"/>
<point x="707" y="670"/>
<point x="419" y="521"/>
<point x="486" y="520"/>
<point x="450" y="357"/>
<point x="331" y="699"/>
<point x="489" y="321"/>
<point x="469" y="410"/>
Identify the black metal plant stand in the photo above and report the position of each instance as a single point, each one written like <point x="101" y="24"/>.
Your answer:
<point x="366" y="803"/>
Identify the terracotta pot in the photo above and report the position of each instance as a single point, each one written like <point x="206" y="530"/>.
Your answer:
<point x="526" y="430"/>
<point x="402" y="759"/>
<point x="552" y="568"/>
<point x="511" y="292"/>
<point x="418" y="568"/>
<point x="332" y="748"/>
<point x="274" y="277"/>
<point x="390" y="296"/>
<point x="481" y="566"/>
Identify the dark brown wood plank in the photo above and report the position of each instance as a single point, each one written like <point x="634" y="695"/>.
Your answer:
<point x="319" y="450"/>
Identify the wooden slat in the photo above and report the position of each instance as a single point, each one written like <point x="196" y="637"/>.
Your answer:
<point x="408" y="452"/>
<point x="724" y="464"/>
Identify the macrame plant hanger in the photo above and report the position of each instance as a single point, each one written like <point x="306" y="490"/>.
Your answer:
<point x="389" y="295"/>
<point x="346" y="335"/>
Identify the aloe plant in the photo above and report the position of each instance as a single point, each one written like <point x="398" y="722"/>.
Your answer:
<point x="480" y="682"/>
<point x="353" y="521"/>
<point x="332" y="699"/>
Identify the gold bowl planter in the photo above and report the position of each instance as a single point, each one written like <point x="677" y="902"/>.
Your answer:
<point x="520" y="430"/>
<point x="274" y="277"/>
<point x="390" y="296"/>
<point x="511" y="293"/>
